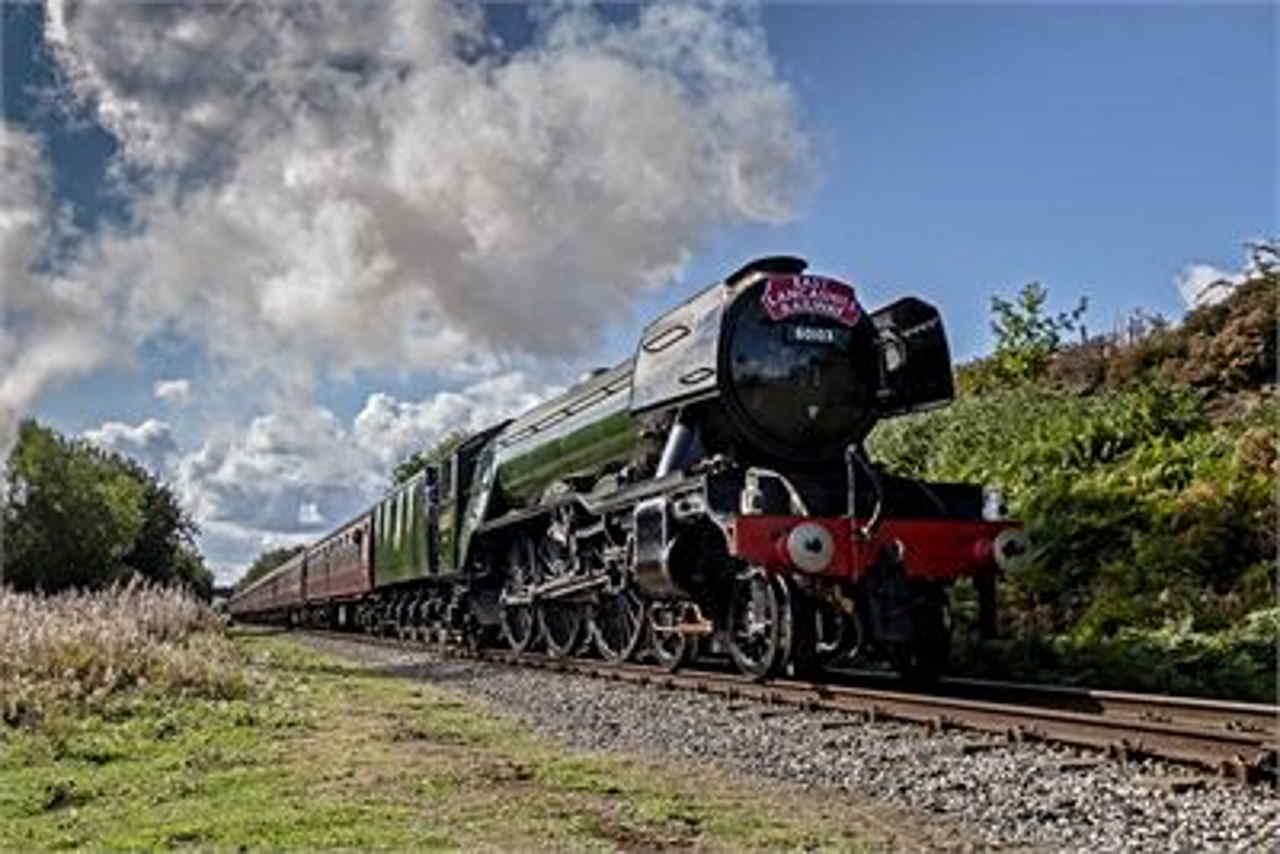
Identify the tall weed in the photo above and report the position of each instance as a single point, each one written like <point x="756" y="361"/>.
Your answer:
<point x="74" y="652"/>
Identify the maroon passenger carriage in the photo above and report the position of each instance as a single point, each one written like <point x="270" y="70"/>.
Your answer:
<point x="339" y="575"/>
<point x="323" y="585"/>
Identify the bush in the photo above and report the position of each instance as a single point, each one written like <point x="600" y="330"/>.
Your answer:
<point x="1026" y="340"/>
<point x="1239" y="662"/>
<point x="74" y="652"/>
<point x="1145" y="468"/>
<point x="1144" y="513"/>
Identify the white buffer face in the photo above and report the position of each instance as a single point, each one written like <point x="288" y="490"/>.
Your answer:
<point x="1012" y="550"/>
<point x="810" y="547"/>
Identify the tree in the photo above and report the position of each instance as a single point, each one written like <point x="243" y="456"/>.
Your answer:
<point x="81" y="516"/>
<point x="190" y="572"/>
<point x="72" y="514"/>
<point x="167" y="539"/>
<point x="407" y="468"/>
<point x="266" y="562"/>
<point x="1026" y="336"/>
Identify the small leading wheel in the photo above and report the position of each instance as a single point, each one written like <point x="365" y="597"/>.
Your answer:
<point x="421" y="619"/>
<point x="759" y="625"/>
<point x="840" y="637"/>
<point x="671" y="649"/>
<point x="618" y="624"/>
<point x="562" y="624"/>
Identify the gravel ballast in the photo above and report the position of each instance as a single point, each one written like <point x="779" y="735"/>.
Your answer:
<point x="999" y="794"/>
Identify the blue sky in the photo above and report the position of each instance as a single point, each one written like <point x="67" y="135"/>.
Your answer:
<point x="971" y="149"/>
<point x="950" y="151"/>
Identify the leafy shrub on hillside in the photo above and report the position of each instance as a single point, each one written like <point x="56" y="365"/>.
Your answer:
<point x="1238" y="662"/>
<point x="75" y="652"/>
<point x="1022" y="435"/>
<point x="1150" y="496"/>
<point x="1027" y="337"/>
<point x="1223" y="347"/>
<point x="1140" y="510"/>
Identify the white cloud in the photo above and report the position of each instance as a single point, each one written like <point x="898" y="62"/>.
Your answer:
<point x="261" y="478"/>
<point x="50" y="328"/>
<point x="324" y="188"/>
<point x="290" y="475"/>
<point x="391" y="430"/>
<point x="354" y="194"/>
<point x="1204" y="284"/>
<point x="176" y="392"/>
<point x="150" y="443"/>
<point x="229" y="549"/>
<point x="309" y="514"/>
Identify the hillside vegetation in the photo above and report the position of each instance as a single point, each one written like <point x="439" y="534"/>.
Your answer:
<point x="1145" y="467"/>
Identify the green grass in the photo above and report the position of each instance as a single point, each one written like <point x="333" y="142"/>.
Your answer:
<point x="330" y="755"/>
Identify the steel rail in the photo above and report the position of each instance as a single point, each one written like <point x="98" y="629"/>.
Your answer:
<point x="1160" y="708"/>
<point x="1234" y="753"/>
<point x="1236" y="740"/>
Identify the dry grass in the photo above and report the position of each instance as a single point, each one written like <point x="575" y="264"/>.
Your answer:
<point x="75" y="651"/>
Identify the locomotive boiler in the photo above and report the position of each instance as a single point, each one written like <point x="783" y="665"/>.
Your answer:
<point x="711" y="494"/>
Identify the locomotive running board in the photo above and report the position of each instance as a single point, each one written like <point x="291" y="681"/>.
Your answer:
<point x="619" y="500"/>
<point x="557" y="590"/>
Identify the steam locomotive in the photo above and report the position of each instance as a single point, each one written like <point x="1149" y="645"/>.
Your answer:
<point x="711" y="495"/>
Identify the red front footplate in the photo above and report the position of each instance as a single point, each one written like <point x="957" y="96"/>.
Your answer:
<point x="929" y="549"/>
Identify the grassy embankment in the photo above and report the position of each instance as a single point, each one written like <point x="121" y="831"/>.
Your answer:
<point x="183" y="735"/>
<point x="1146" y="471"/>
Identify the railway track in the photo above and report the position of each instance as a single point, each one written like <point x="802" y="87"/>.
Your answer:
<point x="1236" y="740"/>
